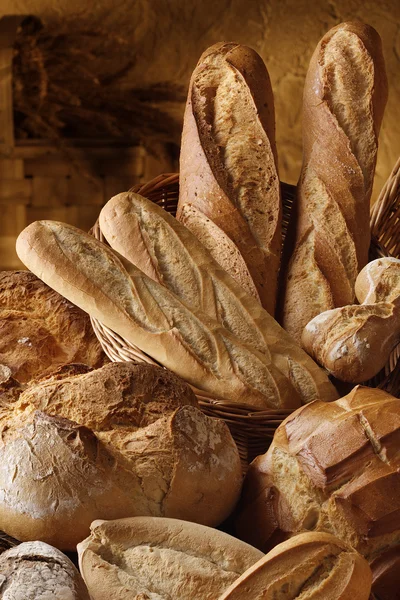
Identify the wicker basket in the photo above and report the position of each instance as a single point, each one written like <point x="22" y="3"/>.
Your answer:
<point x="253" y="428"/>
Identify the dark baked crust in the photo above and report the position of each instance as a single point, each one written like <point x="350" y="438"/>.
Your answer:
<point x="39" y="329"/>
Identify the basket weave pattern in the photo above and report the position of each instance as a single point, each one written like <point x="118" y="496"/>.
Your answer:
<point x="253" y="428"/>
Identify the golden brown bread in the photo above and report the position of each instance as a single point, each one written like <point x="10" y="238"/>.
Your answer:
<point x="332" y="467"/>
<point x="169" y="253"/>
<point x="354" y="342"/>
<point x="344" y="99"/>
<point x="194" y="346"/>
<point x="386" y="575"/>
<point x="309" y="566"/>
<point x="148" y="558"/>
<point x="40" y="329"/>
<point x="120" y="441"/>
<point x="37" y="571"/>
<point x="229" y="183"/>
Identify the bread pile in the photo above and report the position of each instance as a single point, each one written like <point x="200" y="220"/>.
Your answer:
<point x="120" y="453"/>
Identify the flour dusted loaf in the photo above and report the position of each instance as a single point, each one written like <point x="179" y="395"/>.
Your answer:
<point x="147" y="557"/>
<point x="196" y="347"/>
<point x="40" y="329"/>
<point x="332" y="467"/>
<point x="169" y="253"/>
<point x="354" y="342"/>
<point x="309" y="566"/>
<point x="229" y="184"/>
<point x="37" y="571"/>
<point x="344" y="99"/>
<point x="120" y="441"/>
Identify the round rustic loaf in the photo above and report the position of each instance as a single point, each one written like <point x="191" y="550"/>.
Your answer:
<point x="331" y="467"/>
<point x="309" y="566"/>
<point x="146" y="557"/>
<point x="40" y="329"/>
<point x="120" y="441"/>
<point x="37" y="571"/>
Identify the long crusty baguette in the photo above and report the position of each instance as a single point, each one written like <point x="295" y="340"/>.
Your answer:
<point x="229" y="184"/>
<point x="344" y="99"/>
<point x="169" y="253"/>
<point x="354" y="342"/>
<point x="161" y="559"/>
<point x="146" y="313"/>
<point x="309" y="566"/>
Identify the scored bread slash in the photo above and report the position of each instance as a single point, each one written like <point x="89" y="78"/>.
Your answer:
<point x="141" y="310"/>
<point x="228" y="166"/>
<point x="146" y="557"/>
<point x="313" y="566"/>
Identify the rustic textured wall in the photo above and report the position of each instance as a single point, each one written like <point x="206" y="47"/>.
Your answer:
<point x="171" y="34"/>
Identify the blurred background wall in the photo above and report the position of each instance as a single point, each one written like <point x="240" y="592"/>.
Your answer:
<point x="166" y="38"/>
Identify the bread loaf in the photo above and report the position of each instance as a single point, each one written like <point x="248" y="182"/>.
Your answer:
<point x="121" y="441"/>
<point x="146" y="313"/>
<point x="344" y="99"/>
<point x="36" y="571"/>
<point x="146" y="557"/>
<point x="386" y="575"/>
<point x="229" y="183"/>
<point x="40" y="329"/>
<point x="309" y="566"/>
<point x="354" y="342"/>
<point x="169" y="253"/>
<point x="332" y="467"/>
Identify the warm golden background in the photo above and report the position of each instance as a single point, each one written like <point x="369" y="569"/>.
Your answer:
<point x="168" y="37"/>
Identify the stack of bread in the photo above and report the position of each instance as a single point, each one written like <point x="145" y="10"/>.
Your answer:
<point x="116" y="459"/>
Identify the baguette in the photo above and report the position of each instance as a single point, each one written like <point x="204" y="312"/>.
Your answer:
<point x="309" y="566"/>
<point x="354" y="342"/>
<point x="229" y="183"/>
<point x="344" y="99"/>
<point x="147" y="314"/>
<point x="168" y="252"/>
<point x="142" y="558"/>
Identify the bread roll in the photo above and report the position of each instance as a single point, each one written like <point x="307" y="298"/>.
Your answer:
<point x="332" y="467"/>
<point x="169" y="253"/>
<point x="146" y="453"/>
<point x="197" y="348"/>
<point x="354" y="342"/>
<point x="344" y="99"/>
<point x="36" y="571"/>
<point x="309" y="566"/>
<point x="229" y="183"/>
<point x="40" y="329"/>
<point x="146" y="557"/>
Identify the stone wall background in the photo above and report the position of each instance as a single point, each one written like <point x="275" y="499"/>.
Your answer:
<point x="169" y="36"/>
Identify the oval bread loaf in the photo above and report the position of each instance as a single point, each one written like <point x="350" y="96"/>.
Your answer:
<point x="309" y="566"/>
<point x="159" y="559"/>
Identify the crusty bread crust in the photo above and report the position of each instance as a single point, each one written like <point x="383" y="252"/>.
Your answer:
<point x="168" y="252"/>
<point x="145" y="557"/>
<point x="344" y="99"/>
<point x="309" y="566"/>
<point x="228" y="165"/>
